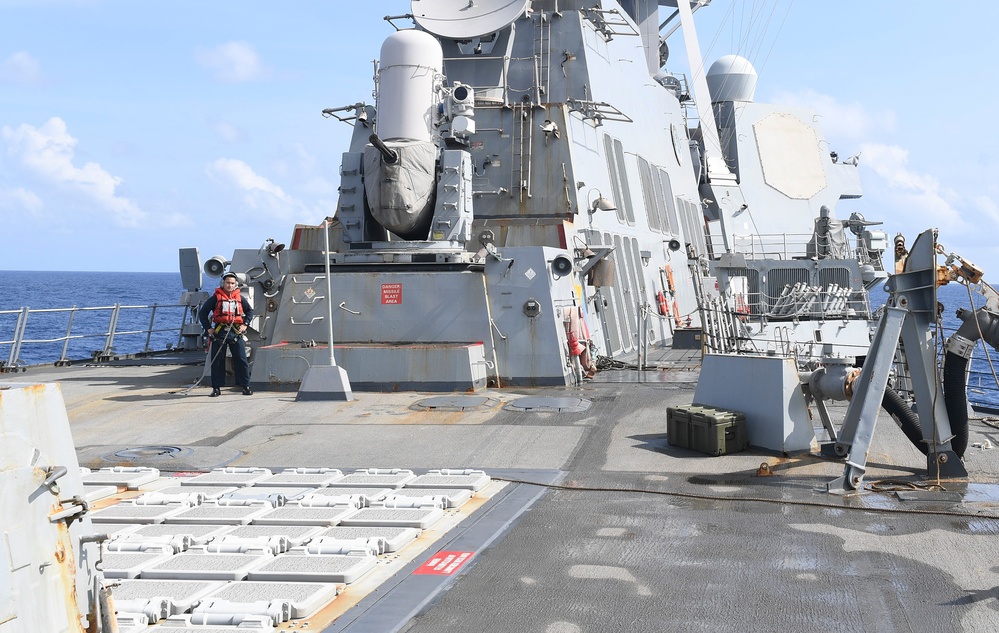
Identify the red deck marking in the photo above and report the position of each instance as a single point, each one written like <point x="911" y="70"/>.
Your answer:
<point x="391" y="294"/>
<point x="444" y="563"/>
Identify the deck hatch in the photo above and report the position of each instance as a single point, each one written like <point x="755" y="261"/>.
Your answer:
<point x="400" y="517"/>
<point x="296" y="535"/>
<point x="131" y="564"/>
<point x="296" y="477"/>
<point x="275" y="495"/>
<point x="314" y="568"/>
<point x="450" y="478"/>
<point x="452" y="497"/>
<point x="159" y="599"/>
<point x="296" y="515"/>
<point x="198" y="565"/>
<point x="345" y="495"/>
<point x="549" y="405"/>
<point x="209" y="492"/>
<point x="219" y="515"/>
<point x="123" y="476"/>
<point x="173" y="535"/>
<point x="382" y="477"/>
<point x="395" y="538"/>
<point x="452" y="403"/>
<point x="300" y="599"/>
<point x="129" y="513"/>
<point x="228" y="477"/>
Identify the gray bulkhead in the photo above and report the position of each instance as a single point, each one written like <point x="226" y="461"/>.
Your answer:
<point x="789" y="187"/>
<point x="786" y="261"/>
<point x="621" y="135"/>
<point x="565" y="112"/>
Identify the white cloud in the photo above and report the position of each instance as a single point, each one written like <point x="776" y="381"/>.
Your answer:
<point x="48" y="151"/>
<point x="233" y="62"/>
<point x="988" y="207"/>
<point x="922" y="194"/>
<point x="20" y="199"/>
<point x="298" y="161"/>
<point x="259" y="193"/>
<point x="22" y="68"/>
<point x="228" y="132"/>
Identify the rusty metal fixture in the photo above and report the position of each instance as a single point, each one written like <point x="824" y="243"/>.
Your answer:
<point x="764" y="470"/>
<point x="848" y="382"/>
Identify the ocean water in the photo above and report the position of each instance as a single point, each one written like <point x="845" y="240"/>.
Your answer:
<point x="51" y="290"/>
<point x="55" y="290"/>
<point x="982" y="388"/>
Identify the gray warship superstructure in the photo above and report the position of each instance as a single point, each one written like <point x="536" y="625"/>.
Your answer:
<point x="532" y="189"/>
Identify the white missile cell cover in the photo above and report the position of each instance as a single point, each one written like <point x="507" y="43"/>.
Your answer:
<point x="382" y="477"/>
<point x="303" y="598"/>
<point x="159" y="599"/>
<point x="315" y="568"/>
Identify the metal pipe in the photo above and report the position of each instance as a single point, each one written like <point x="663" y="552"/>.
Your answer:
<point x="329" y="286"/>
<point x="149" y="332"/>
<point x="15" y="349"/>
<point x="112" y="326"/>
<point x="69" y="332"/>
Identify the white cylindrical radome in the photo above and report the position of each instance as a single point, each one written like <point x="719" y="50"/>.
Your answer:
<point x="410" y="70"/>
<point x="731" y="78"/>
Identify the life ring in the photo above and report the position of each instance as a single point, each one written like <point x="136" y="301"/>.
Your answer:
<point x="663" y="305"/>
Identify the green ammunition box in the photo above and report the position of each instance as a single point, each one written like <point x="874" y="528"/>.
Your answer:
<point x="706" y="429"/>
<point x="678" y="425"/>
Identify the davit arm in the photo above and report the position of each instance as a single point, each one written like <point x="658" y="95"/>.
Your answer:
<point x="909" y="317"/>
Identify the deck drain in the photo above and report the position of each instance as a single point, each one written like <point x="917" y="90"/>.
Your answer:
<point x="452" y="403"/>
<point x="147" y="452"/>
<point x="549" y="405"/>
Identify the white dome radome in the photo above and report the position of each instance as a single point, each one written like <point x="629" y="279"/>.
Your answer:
<point x="731" y="78"/>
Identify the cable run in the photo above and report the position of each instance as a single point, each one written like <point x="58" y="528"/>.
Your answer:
<point x="781" y="502"/>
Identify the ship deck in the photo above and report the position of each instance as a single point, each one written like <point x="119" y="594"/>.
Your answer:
<point x="601" y="524"/>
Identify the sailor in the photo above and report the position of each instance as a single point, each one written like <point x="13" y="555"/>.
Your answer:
<point x="230" y="314"/>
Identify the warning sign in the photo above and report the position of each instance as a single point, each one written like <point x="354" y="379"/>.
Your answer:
<point x="444" y="563"/>
<point x="391" y="294"/>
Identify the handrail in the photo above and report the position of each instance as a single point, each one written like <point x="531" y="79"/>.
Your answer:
<point x="788" y="246"/>
<point x="111" y="330"/>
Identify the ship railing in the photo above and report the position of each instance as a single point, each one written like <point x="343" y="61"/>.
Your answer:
<point x="31" y="330"/>
<point x="789" y="246"/>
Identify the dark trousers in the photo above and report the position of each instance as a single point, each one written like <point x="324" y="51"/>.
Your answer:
<point x="237" y="348"/>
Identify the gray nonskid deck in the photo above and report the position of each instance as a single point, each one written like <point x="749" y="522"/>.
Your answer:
<point x="644" y="532"/>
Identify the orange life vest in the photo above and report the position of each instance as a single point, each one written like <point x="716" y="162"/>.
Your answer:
<point x="228" y="307"/>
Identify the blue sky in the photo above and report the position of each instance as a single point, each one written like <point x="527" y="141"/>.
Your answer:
<point x="129" y="129"/>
